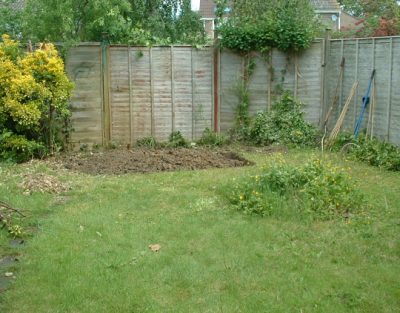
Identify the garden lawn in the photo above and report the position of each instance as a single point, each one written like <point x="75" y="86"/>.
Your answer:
<point x="90" y="251"/>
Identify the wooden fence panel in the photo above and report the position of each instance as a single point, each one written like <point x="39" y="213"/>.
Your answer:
<point x="84" y="68"/>
<point x="230" y="75"/>
<point x="299" y="73"/>
<point x="183" y="91"/>
<point x="394" y="126"/>
<point x="154" y="91"/>
<point x="141" y="87"/>
<point x="119" y="95"/>
<point x="308" y="82"/>
<point x="162" y="91"/>
<point x="259" y="85"/>
<point x="202" y="84"/>
<point x="362" y="56"/>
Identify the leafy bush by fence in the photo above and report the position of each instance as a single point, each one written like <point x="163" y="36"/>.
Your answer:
<point x="284" y="124"/>
<point x="34" y="94"/>
<point x="371" y="151"/>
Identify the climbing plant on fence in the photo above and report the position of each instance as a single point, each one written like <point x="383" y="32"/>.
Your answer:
<point x="246" y="26"/>
<point x="34" y="93"/>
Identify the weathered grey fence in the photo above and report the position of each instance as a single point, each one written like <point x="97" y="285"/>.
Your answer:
<point x="126" y="93"/>
<point x="361" y="57"/>
<point x="300" y="73"/>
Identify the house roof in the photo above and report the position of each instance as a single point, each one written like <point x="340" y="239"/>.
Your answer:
<point x="207" y="8"/>
<point x="325" y="5"/>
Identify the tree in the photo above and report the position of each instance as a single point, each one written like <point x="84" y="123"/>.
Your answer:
<point x="289" y="25"/>
<point x="10" y="19"/>
<point x="364" y="8"/>
<point x="125" y="21"/>
<point x="379" y="17"/>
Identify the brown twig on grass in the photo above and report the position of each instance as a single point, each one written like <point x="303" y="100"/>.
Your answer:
<point x="10" y="208"/>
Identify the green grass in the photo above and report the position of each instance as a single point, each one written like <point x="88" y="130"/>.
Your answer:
<point x="90" y="253"/>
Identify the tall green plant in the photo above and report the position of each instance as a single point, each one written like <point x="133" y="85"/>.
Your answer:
<point x="125" y="21"/>
<point x="289" y="25"/>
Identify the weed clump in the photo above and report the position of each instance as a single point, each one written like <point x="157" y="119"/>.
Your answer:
<point x="371" y="151"/>
<point x="147" y="142"/>
<point x="212" y="139"/>
<point x="283" y="125"/>
<point x="315" y="190"/>
<point x="177" y="140"/>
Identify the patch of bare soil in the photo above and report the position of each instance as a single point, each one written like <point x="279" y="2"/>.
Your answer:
<point x="143" y="160"/>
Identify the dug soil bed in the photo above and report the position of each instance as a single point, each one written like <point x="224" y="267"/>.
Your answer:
<point x="151" y="160"/>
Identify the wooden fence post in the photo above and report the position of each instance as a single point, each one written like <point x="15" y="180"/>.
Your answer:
<point x="389" y="110"/>
<point x="216" y="73"/>
<point x="325" y="75"/>
<point x="105" y="53"/>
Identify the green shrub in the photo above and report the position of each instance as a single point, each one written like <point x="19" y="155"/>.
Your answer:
<point x="284" y="124"/>
<point x="314" y="190"/>
<point x="147" y="142"/>
<point x="211" y="138"/>
<point x="17" y="148"/>
<point x="177" y="140"/>
<point x="371" y="151"/>
<point x="289" y="25"/>
<point x="34" y="94"/>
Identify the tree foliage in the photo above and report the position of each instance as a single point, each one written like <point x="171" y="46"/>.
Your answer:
<point x="10" y="19"/>
<point x="125" y="21"/>
<point x="289" y="25"/>
<point x="377" y="17"/>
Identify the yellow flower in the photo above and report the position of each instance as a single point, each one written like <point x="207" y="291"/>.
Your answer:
<point x="241" y="197"/>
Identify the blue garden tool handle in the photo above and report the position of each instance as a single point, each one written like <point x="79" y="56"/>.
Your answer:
<point x="364" y="105"/>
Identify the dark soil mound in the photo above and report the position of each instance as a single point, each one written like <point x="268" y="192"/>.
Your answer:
<point x="147" y="160"/>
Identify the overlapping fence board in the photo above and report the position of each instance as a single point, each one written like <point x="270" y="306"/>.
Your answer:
<point x="231" y="67"/>
<point x="84" y="68"/>
<point x="119" y="94"/>
<point x="141" y="91"/>
<point x="202" y="84"/>
<point x="394" y="127"/>
<point x="183" y="91"/>
<point x="308" y="85"/>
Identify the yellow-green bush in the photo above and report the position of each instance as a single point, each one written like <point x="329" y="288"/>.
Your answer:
<point x="34" y="93"/>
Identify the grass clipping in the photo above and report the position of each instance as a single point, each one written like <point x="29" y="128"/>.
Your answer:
<point x="315" y="191"/>
<point x="42" y="183"/>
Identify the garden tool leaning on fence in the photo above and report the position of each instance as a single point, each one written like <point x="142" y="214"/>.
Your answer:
<point x="365" y="102"/>
<point x="334" y="100"/>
